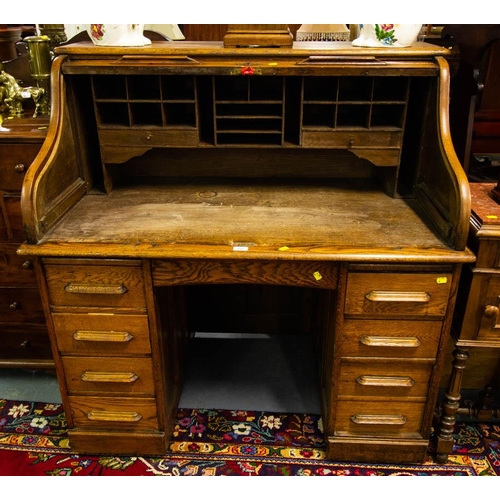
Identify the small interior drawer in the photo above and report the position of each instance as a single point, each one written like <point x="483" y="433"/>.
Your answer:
<point x="379" y="418"/>
<point x="390" y="338"/>
<point x="113" y="375"/>
<point x="115" y="413"/>
<point x="102" y="284"/>
<point x="102" y="334"/>
<point x="397" y="294"/>
<point x="384" y="379"/>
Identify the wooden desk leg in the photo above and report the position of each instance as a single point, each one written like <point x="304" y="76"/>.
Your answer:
<point x="444" y="444"/>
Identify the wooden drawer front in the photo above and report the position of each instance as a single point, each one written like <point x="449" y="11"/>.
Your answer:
<point x="15" y="269"/>
<point x="384" y="379"/>
<point x="21" y="305"/>
<point x="352" y="139"/>
<point x="26" y="343"/>
<point x="397" y="294"/>
<point x="96" y="286"/>
<point x="15" y="160"/>
<point x="150" y="138"/>
<point x="102" y="334"/>
<point x="377" y="418"/>
<point x="390" y="338"/>
<point x="114" y="413"/>
<point x="116" y="375"/>
<point x="14" y="218"/>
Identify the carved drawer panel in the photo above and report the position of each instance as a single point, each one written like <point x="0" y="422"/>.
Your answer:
<point x="102" y="334"/>
<point x="114" y="413"/>
<point x="384" y="379"/>
<point x="397" y="294"/>
<point x="113" y="375"/>
<point x="21" y="305"/>
<point x="390" y="338"/>
<point x="15" y="269"/>
<point x="15" y="160"/>
<point x="379" y="418"/>
<point x="96" y="285"/>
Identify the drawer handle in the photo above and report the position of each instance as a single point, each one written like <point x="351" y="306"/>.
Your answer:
<point x="27" y="264"/>
<point x="93" y="336"/>
<point x="20" y="168"/>
<point x="390" y="296"/>
<point x="373" y="380"/>
<point x="114" y="416"/>
<point x="378" y="419"/>
<point x="14" y="306"/>
<point x="113" y="377"/>
<point x="96" y="289"/>
<point x="375" y="341"/>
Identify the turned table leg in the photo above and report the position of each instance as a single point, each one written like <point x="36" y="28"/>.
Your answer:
<point x="444" y="445"/>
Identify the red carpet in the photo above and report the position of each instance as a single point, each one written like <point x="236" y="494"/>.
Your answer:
<point x="33" y="442"/>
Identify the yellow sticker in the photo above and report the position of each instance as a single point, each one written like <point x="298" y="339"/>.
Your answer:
<point x="283" y="249"/>
<point x="317" y="275"/>
<point x="442" y="280"/>
<point x="492" y="216"/>
<point x="273" y="64"/>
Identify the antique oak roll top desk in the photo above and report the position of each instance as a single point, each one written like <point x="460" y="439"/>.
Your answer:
<point x="320" y="166"/>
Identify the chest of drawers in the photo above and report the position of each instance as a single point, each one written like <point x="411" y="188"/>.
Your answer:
<point x="320" y="168"/>
<point x="24" y="342"/>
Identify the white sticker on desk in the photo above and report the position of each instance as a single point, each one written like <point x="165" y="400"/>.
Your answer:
<point x="25" y="94"/>
<point x="240" y="249"/>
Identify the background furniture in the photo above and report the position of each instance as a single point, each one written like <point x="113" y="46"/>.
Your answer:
<point x="477" y="320"/>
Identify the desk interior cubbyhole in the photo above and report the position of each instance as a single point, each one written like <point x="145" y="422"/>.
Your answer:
<point x="113" y="113"/>
<point x="391" y="89"/>
<point x="177" y="88"/>
<point x="180" y="114"/>
<point x="323" y="88"/>
<point x="355" y="89"/>
<point x="387" y="115"/>
<point x="353" y="115"/>
<point x="318" y="115"/>
<point x="109" y="87"/>
<point x="144" y="113"/>
<point x="144" y="87"/>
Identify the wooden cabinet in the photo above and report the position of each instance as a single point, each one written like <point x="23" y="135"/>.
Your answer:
<point x="24" y="342"/>
<point x="321" y="167"/>
<point x="476" y="322"/>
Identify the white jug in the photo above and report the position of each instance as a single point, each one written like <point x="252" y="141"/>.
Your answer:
<point x="387" y="35"/>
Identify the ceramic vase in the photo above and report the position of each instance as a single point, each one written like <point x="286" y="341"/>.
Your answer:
<point x="387" y="35"/>
<point x="118" y="35"/>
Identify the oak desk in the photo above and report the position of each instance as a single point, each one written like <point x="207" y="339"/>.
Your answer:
<point x="322" y="166"/>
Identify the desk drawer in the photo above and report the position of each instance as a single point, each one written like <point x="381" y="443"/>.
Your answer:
<point x="397" y="294"/>
<point x="106" y="284"/>
<point x="102" y="334"/>
<point x="391" y="338"/>
<point x="384" y="379"/>
<point x="379" y="418"/>
<point x="15" y="160"/>
<point x="15" y="270"/>
<point x="21" y="306"/>
<point x="113" y="375"/>
<point x="114" y="413"/>
<point x="24" y="342"/>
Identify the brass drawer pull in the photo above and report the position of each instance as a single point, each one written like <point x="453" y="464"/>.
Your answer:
<point x="378" y="419"/>
<point x="114" y="416"/>
<point x="93" y="336"/>
<point x="96" y="289"/>
<point x="376" y="341"/>
<point x="491" y="311"/>
<point x="390" y="296"/>
<point x="20" y="168"/>
<point x="113" y="377"/>
<point x="381" y="381"/>
<point x="14" y="306"/>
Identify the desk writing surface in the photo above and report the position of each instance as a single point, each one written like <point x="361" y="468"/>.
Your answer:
<point x="315" y="218"/>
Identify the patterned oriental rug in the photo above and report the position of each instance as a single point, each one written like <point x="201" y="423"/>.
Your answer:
<point x="34" y="442"/>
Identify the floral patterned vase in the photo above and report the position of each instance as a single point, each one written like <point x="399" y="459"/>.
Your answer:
<point x="387" y="35"/>
<point x="118" y="35"/>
